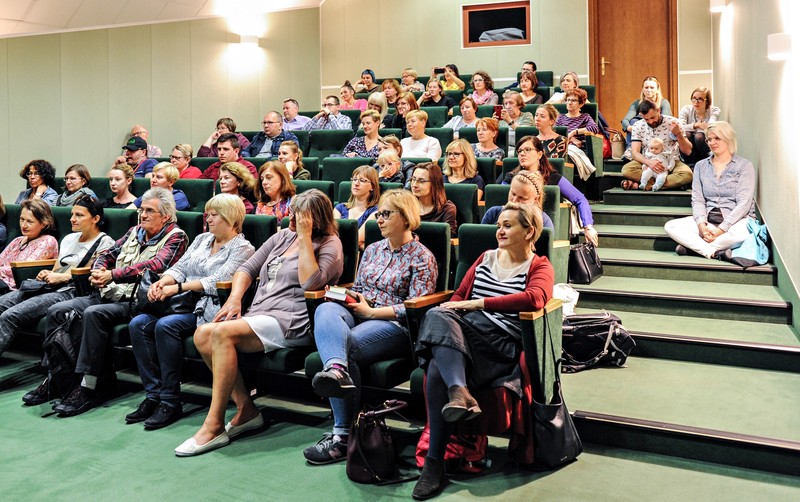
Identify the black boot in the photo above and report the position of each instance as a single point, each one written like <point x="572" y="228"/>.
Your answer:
<point x="431" y="481"/>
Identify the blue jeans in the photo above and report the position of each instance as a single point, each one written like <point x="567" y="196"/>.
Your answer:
<point x="157" y="345"/>
<point x="18" y="312"/>
<point x="344" y="339"/>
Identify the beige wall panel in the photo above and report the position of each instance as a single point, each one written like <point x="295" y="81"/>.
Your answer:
<point x="301" y="71"/>
<point x="686" y="84"/>
<point x="84" y="107"/>
<point x="172" y="99"/>
<point x="694" y="35"/>
<point x="130" y="73"/>
<point x="7" y="171"/>
<point x="209" y="77"/>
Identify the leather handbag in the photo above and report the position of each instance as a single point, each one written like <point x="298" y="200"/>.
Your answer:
<point x="370" y="448"/>
<point x="584" y="264"/>
<point x="556" y="440"/>
<point x="181" y="303"/>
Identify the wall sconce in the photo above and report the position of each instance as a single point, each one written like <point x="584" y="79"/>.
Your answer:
<point x="779" y="46"/>
<point x="248" y="40"/>
<point x="718" y="5"/>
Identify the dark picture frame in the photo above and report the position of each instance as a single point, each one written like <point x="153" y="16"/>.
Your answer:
<point x="479" y="18"/>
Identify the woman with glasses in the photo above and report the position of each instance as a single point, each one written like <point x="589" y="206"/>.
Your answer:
<point x="40" y="176"/>
<point x="119" y="180"/>
<point x="696" y="118"/>
<point x="417" y="143"/>
<point x="76" y="185"/>
<point x="363" y="202"/>
<point x="460" y="165"/>
<point x="569" y="81"/>
<point x="372" y="328"/>
<point x="530" y="152"/>
<point x="18" y="309"/>
<point x="36" y="224"/>
<point x="427" y="185"/>
<point x="578" y="124"/>
<point x="488" y="129"/>
<point x="180" y="157"/>
<point x="225" y="125"/>
<point x="405" y="103"/>
<point x="366" y="145"/>
<point x="275" y="190"/>
<point x="483" y="89"/>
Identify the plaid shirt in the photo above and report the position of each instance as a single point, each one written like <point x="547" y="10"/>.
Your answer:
<point x="330" y="121"/>
<point x="166" y="257"/>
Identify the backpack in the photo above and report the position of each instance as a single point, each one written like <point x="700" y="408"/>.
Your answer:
<point x="61" y="347"/>
<point x="464" y="452"/>
<point x="592" y="339"/>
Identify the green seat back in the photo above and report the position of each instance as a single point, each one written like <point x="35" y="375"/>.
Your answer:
<point x="203" y="163"/>
<point x="197" y="191"/>
<point x="437" y="115"/>
<point x="303" y="139"/>
<point x="511" y="163"/>
<point x="249" y="134"/>
<point x="323" y="143"/>
<point x="444" y="135"/>
<point x="100" y="187"/>
<point x="312" y="166"/>
<point x="544" y="77"/>
<point x="327" y="187"/>
<point x="487" y="168"/>
<point x="11" y="220"/>
<point x="259" y="228"/>
<point x="591" y="92"/>
<point x="355" y="117"/>
<point x="344" y="189"/>
<point x="523" y="131"/>
<point x="588" y="107"/>
<point x="465" y="198"/>
<point x="62" y="215"/>
<point x="456" y="95"/>
<point x="339" y="169"/>
<point x="497" y="195"/>
<point x="416" y="160"/>
<point x="191" y="223"/>
<point x="119" y="221"/>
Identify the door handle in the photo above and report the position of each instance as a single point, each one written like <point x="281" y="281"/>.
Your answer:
<point x="603" y="64"/>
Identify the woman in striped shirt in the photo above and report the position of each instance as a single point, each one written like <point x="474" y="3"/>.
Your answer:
<point x="475" y="339"/>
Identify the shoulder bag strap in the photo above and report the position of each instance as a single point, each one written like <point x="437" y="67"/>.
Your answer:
<point x="90" y="252"/>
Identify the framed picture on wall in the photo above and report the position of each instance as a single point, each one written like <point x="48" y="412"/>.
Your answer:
<point x="496" y="24"/>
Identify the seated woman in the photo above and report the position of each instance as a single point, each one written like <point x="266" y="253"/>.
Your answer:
<point x="569" y="81"/>
<point x="434" y="96"/>
<point x="475" y="339"/>
<point x="275" y="191"/>
<point x="527" y="88"/>
<point x="391" y="143"/>
<point x="449" y="76"/>
<point x="527" y="187"/>
<point x="363" y="202"/>
<point x="350" y="336"/>
<point x="306" y="256"/>
<point x="466" y="119"/>
<point x="427" y="185"/>
<point x="76" y="181"/>
<point x="377" y="102"/>
<point x="180" y="157"/>
<point x="224" y="125"/>
<point x="36" y="224"/>
<point x="292" y="157"/>
<point x="119" y="179"/>
<point x="511" y="115"/>
<point x="410" y="82"/>
<point x="235" y="179"/>
<point x="367" y="83"/>
<point x="555" y="145"/>
<point x="723" y="191"/>
<point x="366" y="145"/>
<point x="391" y="91"/>
<point x="348" y="99"/>
<point x="460" y="165"/>
<point x="488" y="129"/>
<point x="695" y="119"/>
<point x="419" y="144"/>
<point x="19" y="309"/>
<point x="40" y="175"/>
<point x="577" y="123"/>
<point x="390" y="167"/>
<point x="164" y="176"/>
<point x="405" y="103"/>
<point x="157" y="341"/>
<point x="483" y="89"/>
<point x="651" y="90"/>
<point x="532" y="158"/>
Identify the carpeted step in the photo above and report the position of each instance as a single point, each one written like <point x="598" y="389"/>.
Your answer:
<point x="674" y="198"/>
<point x="634" y="237"/>
<point x="613" y="214"/>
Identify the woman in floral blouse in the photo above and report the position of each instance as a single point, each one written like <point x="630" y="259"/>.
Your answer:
<point x="366" y="145"/>
<point x="274" y="190"/>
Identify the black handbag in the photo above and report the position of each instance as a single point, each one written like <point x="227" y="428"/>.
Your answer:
<point x="181" y="303"/>
<point x="584" y="264"/>
<point x="34" y="287"/>
<point x="556" y="440"/>
<point x="370" y="448"/>
<point x="594" y="339"/>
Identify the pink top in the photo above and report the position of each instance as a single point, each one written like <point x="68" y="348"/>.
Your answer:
<point x="359" y="104"/>
<point x="44" y="247"/>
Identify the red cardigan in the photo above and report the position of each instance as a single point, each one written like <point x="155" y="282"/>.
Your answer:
<point x="538" y="288"/>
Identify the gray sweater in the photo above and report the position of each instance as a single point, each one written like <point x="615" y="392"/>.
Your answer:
<point x="283" y="297"/>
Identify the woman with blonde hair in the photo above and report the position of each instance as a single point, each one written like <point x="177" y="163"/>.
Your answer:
<point x="419" y="144"/>
<point x="235" y="179"/>
<point x="460" y="165"/>
<point x="164" y="176"/>
<point x="391" y="90"/>
<point x="181" y="156"/>
<point x="292" y="157"/>
<point x="275" y="190"/>
<point x="377" y="102"/>
<point x="651" y="91"/>
<point x="527" y="187"/>
<point x="410" y="82"/>
<point x="363" y="202"/>
<point x="120" y="178"/>
<point x="366" y="145"/>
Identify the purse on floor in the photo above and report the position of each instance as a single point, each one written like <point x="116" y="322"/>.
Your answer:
<point x="181" y="303"/>
<point x="584" y="264"/>
<point x="370" y="448"/>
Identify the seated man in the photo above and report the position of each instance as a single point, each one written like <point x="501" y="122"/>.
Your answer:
<point x="265" y="145"/>
<point x="329" y="117"/>
<point x="292" y="120"/>
<point x="164" y="176"/>
<point x="135" y="155"/>
<point x="156" y="244"/>
<point x="666" y="128"/>
<point x="228" y="149"/>
<point x="140" y="132"/>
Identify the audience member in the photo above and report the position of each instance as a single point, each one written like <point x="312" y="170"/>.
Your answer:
<point x="349" y="101"/>
<point x="292" y="157"/>
<point x="578" y="124"/>
<point x="275" y="190"/>
<point x="511" y="115"/>
<point x="568" y="82"/>
<point x="140" y="132"/>
<point x="377" y="102"/>
<point x="527" y="67"/>
<point x="434" y="96"/>
<point x="527" y="187"/>
<point x="236" y="180"/>
<point x="390" y="167"/>
<point x="367" y="83"/>
<point x="419" y="144"/>
<point x="488" y="129"/>
<point x="655" y="151"/>
<point x="460" y="165"/>
<point x="651" y="91"/>
<point x="292" y="120"/>
<point x="265" y="144"/>
<point x="695" y="119"/>
<point x="410" y="82"/>
<point x="427" y="185"/>
<point x="119" y="180"/>
<point x="363" y="200"/>
<point x="180" y="157"/>
<point x="483" y="89"/>
<point x="329" y="117"/>
<point x="76" y="185"/>
<point x="392" y="143"/>
<point x="391" y="90"/>
<point x="366" y="145"/>
<point x="405" y="103"/>
<point x="36" y="224"/>
<point x="40" y="176"/>
<point x="452" y="79"/>
<point x="466" y="119"/>
<point x="135" y="155"/>
<point x="555" y="145"/>
<point x="164" y="176"/>
<point x="527" y="89"/>
<point x="228" y="148"/>
<point x="225" y="125"/>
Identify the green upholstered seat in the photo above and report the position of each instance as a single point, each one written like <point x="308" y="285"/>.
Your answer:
<point x="563" y="168"/>
<point x="327" y="187"/>
<point x="101" y="188"/>
<point x="532" y="130"/>
<point x="258" y="228"/>
<point x="303" y="140"/>
<point x="203" y="163"/>
<point x="119" y="221"/>
<point x="456" y="95"/>
<point x="497" y="195"/>
<point x="192" y="223"/>
<point x="355" y="117"/>
<point x="437" y="115"/>
<point x="471" y="134"/>
<point x="323" y="143"/>
<point x="444" y="135"/>
<point x="197" y="191"/>
<point x="591" y="92"/>
<point x="465" y="198"/>
<point x="487" y="168"/>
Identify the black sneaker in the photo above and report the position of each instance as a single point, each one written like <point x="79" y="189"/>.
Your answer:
<point x="164" y="416"/>
<point x="333" y="382"/>
<point x="145" y="409"/>
<point x="328" y="450"/>
<point x="39" y="395"/>
<point x="80" y="400"/>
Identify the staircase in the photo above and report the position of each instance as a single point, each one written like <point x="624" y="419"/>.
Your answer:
<point x="715" y="375"/>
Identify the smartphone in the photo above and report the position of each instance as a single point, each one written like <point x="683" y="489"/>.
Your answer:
<point x="497" y="110"/>
<point x="438" y="71"/>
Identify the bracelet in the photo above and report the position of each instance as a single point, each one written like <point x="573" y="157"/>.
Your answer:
<point x="180" y="287"/>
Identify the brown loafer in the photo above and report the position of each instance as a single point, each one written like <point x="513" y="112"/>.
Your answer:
<point x="462" y="405"/>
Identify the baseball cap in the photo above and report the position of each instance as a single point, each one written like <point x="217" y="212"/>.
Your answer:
<point x="135" y="143"/>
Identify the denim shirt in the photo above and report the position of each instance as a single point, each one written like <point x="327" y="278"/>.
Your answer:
<point x="733" y="193"/>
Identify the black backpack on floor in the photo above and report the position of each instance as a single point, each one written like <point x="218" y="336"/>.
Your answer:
<point x="61" y="347"/>
<point x="594" y="339"/>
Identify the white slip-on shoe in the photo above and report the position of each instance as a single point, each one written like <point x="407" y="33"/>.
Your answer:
<point x="236" y="430"/>
<point x="190" y="448"/>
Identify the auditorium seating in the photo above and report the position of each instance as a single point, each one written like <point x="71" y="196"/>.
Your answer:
<point x="323" y="143"/>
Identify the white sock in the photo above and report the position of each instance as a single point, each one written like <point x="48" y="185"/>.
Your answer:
<point x="89" y="381"/>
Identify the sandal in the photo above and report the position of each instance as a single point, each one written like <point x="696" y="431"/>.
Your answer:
<point x="629" y="185"/>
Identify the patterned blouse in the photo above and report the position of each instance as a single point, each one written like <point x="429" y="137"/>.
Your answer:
<point x="555" y="148"/>
<point x="359" y="146"/>
<point x="44" y="247"/>
<point x="281" y="209"/>
<point x="387" y="277"/>
<point x="496" y="153"/>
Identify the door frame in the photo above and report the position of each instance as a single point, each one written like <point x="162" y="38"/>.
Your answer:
<point x="672" y="50"/>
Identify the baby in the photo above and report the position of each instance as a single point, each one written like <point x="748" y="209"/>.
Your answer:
<point x="657" y="151"/>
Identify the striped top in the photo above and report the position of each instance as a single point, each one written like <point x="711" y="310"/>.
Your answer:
<point x="492" y="280"/>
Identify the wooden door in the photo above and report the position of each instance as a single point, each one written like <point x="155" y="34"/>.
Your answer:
<point x="636" y="39"/>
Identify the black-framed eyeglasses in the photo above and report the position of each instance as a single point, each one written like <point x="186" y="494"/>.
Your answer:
<point x="453" y="154"/>
<point x="698" y="100"/>
<point x="385" y="214"/>
<point x="418" y="181"/>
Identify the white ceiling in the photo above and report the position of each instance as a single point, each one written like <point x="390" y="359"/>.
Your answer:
<point x="25" y="17"/>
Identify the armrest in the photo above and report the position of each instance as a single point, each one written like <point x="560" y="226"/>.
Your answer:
<point x="80" y="278"/>
<point x="224" y="284"/>
<point x="481" y="203"/>
<point x="22" y="270"/>
<point x="319" y="294"/>
<point x="33" y="263"/>
<point x="542" y="366"/>
<point x="551" y="306"/>
<point x="454" y="242"/>
<point x="428" y="300"/>
<point x="80" y="271"/>
<point x="560" y="260"/>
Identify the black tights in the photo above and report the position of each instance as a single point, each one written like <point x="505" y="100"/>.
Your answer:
<point x="700" y="148"/>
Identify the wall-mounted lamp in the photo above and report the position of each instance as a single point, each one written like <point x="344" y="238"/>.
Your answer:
<point x="718" y="5"/>
<point x="779" y="46"/>
<point x="248" y="39"/>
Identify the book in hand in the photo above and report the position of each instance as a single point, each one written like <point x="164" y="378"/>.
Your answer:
<point x="340" y="294"/>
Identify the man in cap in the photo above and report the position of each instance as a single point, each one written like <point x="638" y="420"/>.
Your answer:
<point x="134" y="153"/>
